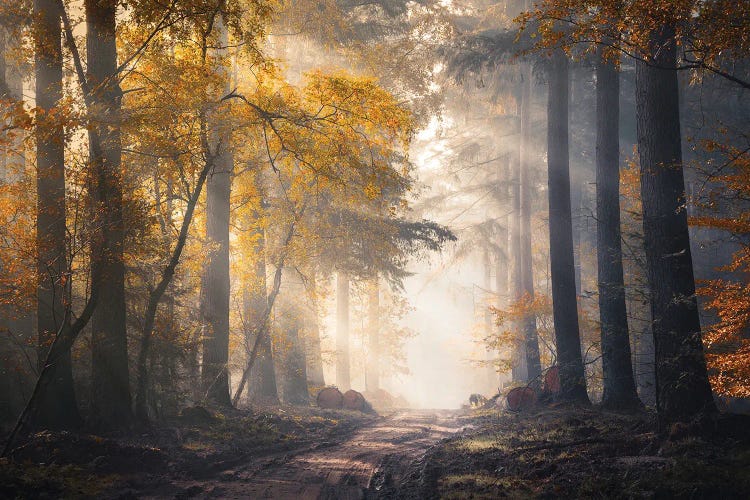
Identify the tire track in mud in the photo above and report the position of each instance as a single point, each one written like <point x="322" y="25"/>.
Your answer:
<point x="344" y="471"/>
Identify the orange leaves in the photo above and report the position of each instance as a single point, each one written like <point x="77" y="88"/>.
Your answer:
<point x="727" y="344"/>
<point x="726" y="209"/>
<point x="709" y="31"/>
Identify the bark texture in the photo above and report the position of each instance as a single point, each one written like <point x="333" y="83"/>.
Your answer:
<point x="565" y="309"/>
<point x="619" y="383"/>
<point x="682" y="388"/>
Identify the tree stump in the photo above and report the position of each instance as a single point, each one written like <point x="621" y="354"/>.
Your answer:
<point x="330" y="398"/>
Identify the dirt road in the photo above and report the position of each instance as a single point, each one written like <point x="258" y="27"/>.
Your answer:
<point x="343" y="471"/>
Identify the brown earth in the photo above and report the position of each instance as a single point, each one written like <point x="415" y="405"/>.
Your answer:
<point x="359" y="467"/>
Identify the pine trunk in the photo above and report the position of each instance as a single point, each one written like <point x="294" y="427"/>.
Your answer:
<point x="565" y="310"/>
<point x="531" y="337"/>
<point x="619" y="383"/>
<point x="519" y="371"/>
<point x="502" y="262"/>
<point x="682" y="388"/>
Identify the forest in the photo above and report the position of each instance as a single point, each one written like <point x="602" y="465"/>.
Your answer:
<point x="374" y="249"/>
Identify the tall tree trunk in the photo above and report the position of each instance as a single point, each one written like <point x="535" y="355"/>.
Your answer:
<point x="531" y="337"/>
<point x="489" y="299"/>
<point x="110" y="403"/>
<point x="619" y="383"/>
<point x="58" y="407"/>
<point x="682" y="387"/>
<point x="576" y="176"/>
<point x="216" y="285"/>
<point x="519" y="370"/>
<point x="263" y="375"/>
<point x="343" y="377"/>
<point x="503" y="266"/>
<point x="372" y="373"/>
<point x="293" y="358"/>
<point x="565" y="310"/>
<point x="314" y="353"/>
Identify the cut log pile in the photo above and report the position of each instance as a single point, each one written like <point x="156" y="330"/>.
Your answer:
<point x="331" y="398"/>
<point x="524" y="397"/>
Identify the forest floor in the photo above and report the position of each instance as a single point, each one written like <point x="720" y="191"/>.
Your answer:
<point x="583" y="453"/>
<point x="311" y="453"/>
<point x="187" y="457"/>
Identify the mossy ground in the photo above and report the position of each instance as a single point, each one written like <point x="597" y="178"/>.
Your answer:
<point x="580" y="453"/>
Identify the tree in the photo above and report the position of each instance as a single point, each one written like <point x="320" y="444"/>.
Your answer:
<point x="58" y="408"/>
<point x="255" y="299"/>
<point x="372" y="368"/>
<point x="651" y="32"/>
<point x="216" y="284"/>
<point x="682" y="388"/>
<point x="530" y="335"/>
<point x="292" y="358"/>
<point x="565" y="308"/>
<point x="111" y="402"/>
<point x="619" y="383"/>
<point x="343" y="370"/>
<point x="313" y="348"/>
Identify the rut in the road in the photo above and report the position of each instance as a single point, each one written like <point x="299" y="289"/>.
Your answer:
<point x="344" y="471"/>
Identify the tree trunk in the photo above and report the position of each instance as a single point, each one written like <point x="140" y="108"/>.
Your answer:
<point x="502" y="261"/>
<point x="619" y="383"/>
<point x="531" y="337"/>
<point x="263" y="375"/>
<point x="372" y="374"/>
<point x="576" y="176"/>
<point x="216" y="285"/>
<point x="110" y="403"/>
<point x="487" y="302"/>
<point x="682" y="387"/>
<point x="294" y="379"/>
<point x="58" y="408"/>
<point x="519" y="370"/>
<point x="314" y="353"/>
<point x="343" y="378"/>
<point x="565" y="310"/>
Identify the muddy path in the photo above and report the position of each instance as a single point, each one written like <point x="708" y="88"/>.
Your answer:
<point x="356" y="468"/>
